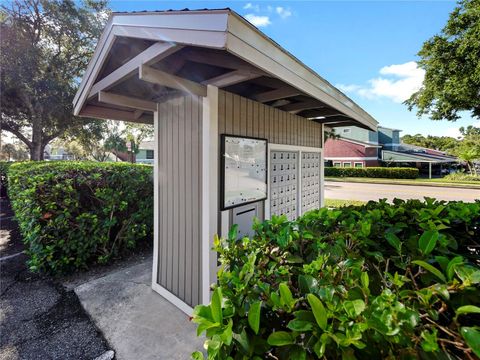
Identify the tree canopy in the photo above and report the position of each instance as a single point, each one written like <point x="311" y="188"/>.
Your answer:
<point x="451" y="61"/>
<point x="442" y="143"/>
<point x="45" y="46"/>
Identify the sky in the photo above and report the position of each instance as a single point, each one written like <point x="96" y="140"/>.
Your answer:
<point x="365" y="48"/>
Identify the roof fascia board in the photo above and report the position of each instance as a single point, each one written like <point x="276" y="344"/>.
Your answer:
<point x="147" y="26"/>
<point x="96" y="62"/>
<point x="248" y="43"/>
<point x="206" y="21"/>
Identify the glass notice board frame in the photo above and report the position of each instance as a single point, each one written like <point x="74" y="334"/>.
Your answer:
<point x="244" y="170"/>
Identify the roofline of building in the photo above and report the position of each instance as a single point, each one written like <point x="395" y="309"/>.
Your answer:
<point x="242" y="39"/>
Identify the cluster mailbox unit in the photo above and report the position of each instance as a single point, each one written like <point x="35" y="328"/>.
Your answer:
<point x="239" y="126"/>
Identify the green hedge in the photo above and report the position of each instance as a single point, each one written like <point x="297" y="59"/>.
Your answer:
<point x="4" y="165"/>
<point x="73" y="214"/>
<point x="373" y="172"/>
<point x="379" y="281"/>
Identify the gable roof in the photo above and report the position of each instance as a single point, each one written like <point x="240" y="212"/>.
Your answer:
<point x="219" y="39"/>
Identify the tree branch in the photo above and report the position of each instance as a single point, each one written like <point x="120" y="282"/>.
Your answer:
<point x="17" y="133"/>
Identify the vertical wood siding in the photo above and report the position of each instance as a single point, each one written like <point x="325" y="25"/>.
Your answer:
<point x="179" y="255"/>
<point x="241" y="116"/>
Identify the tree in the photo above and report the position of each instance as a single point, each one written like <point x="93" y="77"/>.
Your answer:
<point x="443" y="143"/>
<point x="45" y="45"/>
<point x="115" y="143"/>
<point x="469" y="150"/>
<point x="451" y="61"/>
<point x="136" y="133"/>
<point x="12" y="151"/>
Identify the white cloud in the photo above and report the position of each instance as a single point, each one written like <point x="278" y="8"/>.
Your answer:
<point x="398" y="83"/>
<point x="283" y="12"/>
<point x="250" y="6"/>
<point x="258" y="20"/>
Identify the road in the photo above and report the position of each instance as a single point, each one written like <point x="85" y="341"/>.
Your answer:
<point x="365" y="192"/>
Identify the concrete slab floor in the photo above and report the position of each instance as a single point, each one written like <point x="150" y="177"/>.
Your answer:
<point x="136" y="321"/>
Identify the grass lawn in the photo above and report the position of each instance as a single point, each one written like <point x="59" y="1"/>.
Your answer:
<point x="335" y="203"/>
<point x="428" y="182"/>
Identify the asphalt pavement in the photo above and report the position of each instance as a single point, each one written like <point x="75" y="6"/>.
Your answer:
<point x="39" y="318"/>
<point x="366" y="192"/>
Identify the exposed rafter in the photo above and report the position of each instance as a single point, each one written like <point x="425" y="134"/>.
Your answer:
<point x="224" y="60"/>
<point x="138" y="113"/>
<point x="333" y="119"/>
<point x="276" y="94"/>
<point x="114" y="114"/>
<point x="146" y="73"/>
<point x="122" y="100"/>
<point x="304" y="105"/>
<point x="154" y="53"/>
<point x="231" y="78"/>
<point x="313" y="113"/>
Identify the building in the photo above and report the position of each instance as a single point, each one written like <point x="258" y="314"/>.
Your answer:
<point x="145" y="152"/>
<point x="222" y="97"/>
<point x="359" y="147"/>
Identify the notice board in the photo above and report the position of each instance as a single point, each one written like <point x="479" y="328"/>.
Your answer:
<point x="243" y="170"/>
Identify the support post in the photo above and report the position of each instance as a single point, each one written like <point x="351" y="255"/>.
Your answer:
<point x="429" y="170"/>
<point x="209" y="189"/>
<point x="322" y="169"/>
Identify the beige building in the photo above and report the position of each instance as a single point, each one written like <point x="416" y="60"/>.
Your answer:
<point x="199" y="76"/>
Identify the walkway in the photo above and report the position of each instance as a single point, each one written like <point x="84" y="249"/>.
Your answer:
<point x="136" y="321"/>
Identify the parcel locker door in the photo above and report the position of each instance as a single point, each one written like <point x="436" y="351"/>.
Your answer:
<point x="310" y="181"/>
<point x="284" y="183"/>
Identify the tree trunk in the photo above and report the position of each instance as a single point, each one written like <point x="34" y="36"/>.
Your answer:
<point x="36" y="150"/>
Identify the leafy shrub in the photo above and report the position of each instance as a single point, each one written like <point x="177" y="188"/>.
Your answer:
<point x="376" y="281"/>
<point x="461" y="176"/>
<point x="72" y="214"/>
<point x="4" y="165"/>
<point x="374" y="172"/>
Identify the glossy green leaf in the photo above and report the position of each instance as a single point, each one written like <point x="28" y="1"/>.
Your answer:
<point x="300" y="325"/>
<point x="471" y="335"/>
<point x="318" y="311"/>
<point x="254" y="316"/>
<point x="216" y="305"/>
<point x="286" y="295"/>
<point x="430" y="268"/>
<point x="197" y="355"/>
<point x="365" y="280"/>
<point x="451" y="266"/>
<point x="394" y="241"/>
<point x="280" y="338"/>
<point x="354" y="307"/>
<point x="468" y="309"/>
<point x="427" y="241"/>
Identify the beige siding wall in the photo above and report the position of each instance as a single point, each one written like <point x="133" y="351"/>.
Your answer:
<point x="241" y="116"/>
<point x="180" y="174"/>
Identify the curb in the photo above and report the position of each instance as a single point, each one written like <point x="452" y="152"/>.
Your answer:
<point x="441" y="185"/>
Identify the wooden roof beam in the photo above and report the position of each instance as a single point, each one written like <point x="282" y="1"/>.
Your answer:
<point x="231" y="78"/>
<point x="304" y="105"/>
<point x="282" y="93"/>
<point x="149" y="74"/>
<point x="332" y="119"/>
<point x="114" y="114"/>
<point x="152" y="54"/>
<point x="122" y="100"/>
<point x="221" y="59"/>
<point x="313" y="113"/>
